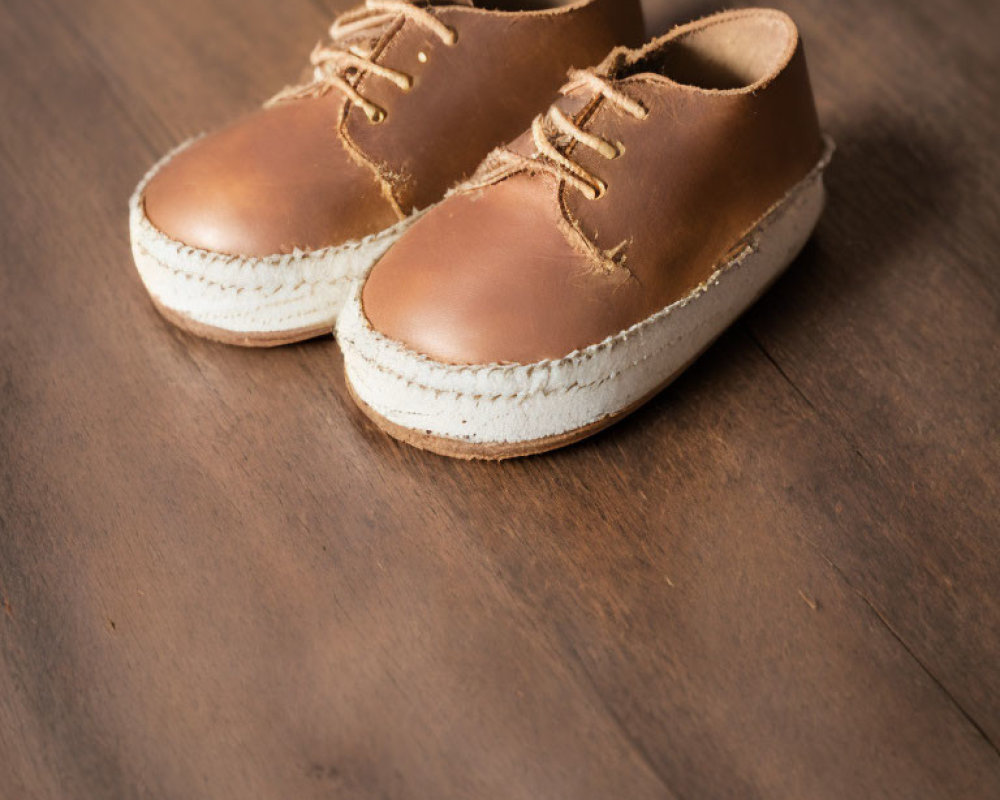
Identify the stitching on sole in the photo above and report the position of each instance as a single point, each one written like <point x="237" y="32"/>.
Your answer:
<point x="233" y="288"/>
<point x="538" y="390"/>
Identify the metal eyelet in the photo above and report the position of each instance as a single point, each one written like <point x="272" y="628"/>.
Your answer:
<point x="422" y="57"/>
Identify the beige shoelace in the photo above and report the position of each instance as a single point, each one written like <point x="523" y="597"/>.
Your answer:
<point x="554" y="161"/>
<point x="335" y="63"/>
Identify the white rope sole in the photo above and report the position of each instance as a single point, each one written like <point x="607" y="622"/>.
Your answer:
<point x="274" y="295"/>
<point x="499" y="411"/>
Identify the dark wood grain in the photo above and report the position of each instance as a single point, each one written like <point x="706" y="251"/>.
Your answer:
<point x="781" y="579"/>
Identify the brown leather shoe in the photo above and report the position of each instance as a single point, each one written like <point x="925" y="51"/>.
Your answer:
<point x="253" y="235"/>
<point x="588" y="263"/>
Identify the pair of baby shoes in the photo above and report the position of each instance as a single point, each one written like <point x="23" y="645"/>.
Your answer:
<point x="497" y="291"/>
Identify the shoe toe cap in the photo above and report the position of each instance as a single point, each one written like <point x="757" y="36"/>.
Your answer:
<point x="273" y="182"/>
<point x="488" y="277"/>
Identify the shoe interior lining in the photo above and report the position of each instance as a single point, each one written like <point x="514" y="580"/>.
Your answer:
<point x="726" y="55"/>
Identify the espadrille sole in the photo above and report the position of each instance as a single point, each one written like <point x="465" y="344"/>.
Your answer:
<point x="238" y="338"/>
<point x="252" y="302"/>
<point x="501" y="451"/>
<point x="504" y="411"/>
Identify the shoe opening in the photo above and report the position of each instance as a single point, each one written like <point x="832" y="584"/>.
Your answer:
<point x="725" y="54"/>
<point x="520" y="5"/>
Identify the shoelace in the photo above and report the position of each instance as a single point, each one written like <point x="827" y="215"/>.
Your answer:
<point x="333" y="62"/>
<point x="554" y="161"/>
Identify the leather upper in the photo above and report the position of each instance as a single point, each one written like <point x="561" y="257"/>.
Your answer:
<point x="314" y="171"/>
<point x="482" y="91"/>
<point x="527" y="268"/>
<point x="274" y="181"/>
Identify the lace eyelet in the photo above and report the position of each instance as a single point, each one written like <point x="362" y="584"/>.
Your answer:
<point x="600" y="189"/>
<point x="619" y="150"/>
<point x="453" y="40"/>
<point x="377" y="116"/>
<point x="422" y="57"/>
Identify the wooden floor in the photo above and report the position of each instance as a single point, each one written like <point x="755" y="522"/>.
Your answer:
<point x="781" y="579"/>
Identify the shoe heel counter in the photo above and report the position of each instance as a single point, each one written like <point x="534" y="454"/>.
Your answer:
<point x="802" y="122"/>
